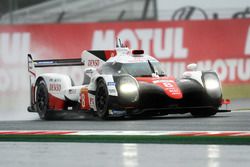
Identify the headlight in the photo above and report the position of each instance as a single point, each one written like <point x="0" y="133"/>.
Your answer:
<point x="128" y="85"/>
<point x="128" y="88"/>
<point x="212" y="84"/>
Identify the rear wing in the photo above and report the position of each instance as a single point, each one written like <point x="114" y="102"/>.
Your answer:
<point x="54" y="62"/>
<point x="32" y="64"/>
<point x="89" y="58"/>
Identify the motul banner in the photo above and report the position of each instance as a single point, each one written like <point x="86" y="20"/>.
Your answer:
<point x="222" y="45"/>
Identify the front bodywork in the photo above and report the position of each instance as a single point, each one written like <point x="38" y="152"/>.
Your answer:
<point x="166" y="95"/>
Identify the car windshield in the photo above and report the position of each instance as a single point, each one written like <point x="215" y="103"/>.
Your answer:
<point x="142" y="69"/>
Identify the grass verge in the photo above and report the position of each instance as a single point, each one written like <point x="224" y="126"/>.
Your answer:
<point x="232" y="91"/>
<point x="161" y="139"/>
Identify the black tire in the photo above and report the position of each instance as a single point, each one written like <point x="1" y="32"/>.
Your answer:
<point x="102" y="99"/>
<point x="42" y="101"/>
<point x="204" y="113"/>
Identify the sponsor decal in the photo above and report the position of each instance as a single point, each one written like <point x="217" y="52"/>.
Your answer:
<point x="178" y="46"/>
<point x="55" y="87"/>
<point x="229" y="70"/>
<point x="117" y="113"/>
<point x="165" y="42"/>
<point x="91" y="101"/>
<point x="137" y="59"/>
<point x="93" y="63"/>
<point x="111" y="84"/>
<point x="210" y="44"/>
<point x="112" y="91"/>
<point x="46" y="62"/>
<point x="162" y="81"/>
<point x="84" y="99"/>
<point x="166" y="83"/>
<point x="55" y="80"/>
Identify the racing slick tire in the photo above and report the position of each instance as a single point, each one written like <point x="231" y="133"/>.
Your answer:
<point x="42" y="101"/>
<point x="204" y="113"/>
<point x="102" y="99"/>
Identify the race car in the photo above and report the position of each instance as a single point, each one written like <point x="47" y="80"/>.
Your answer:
<point x="120" y="83"/>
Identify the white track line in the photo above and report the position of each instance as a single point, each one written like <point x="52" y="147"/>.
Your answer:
<point x="128" y="133"/>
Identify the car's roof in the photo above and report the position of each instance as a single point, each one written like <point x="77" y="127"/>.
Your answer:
<point x="124" y="55"/>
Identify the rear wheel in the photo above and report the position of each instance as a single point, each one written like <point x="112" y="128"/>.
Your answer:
<point x="204" y="113"/>
<point x="102" y="99"/>
<point x="42" y="101"/>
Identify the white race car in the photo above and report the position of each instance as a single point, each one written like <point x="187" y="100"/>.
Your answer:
<point x="124" y="82"/>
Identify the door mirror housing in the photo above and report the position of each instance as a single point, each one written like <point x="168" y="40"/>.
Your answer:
<point x="192" y="67"/>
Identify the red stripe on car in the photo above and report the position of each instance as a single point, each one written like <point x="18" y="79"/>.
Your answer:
<point x="109" y="53"/>
<point x="55" y="103"/>
<point x="168" y="84"/>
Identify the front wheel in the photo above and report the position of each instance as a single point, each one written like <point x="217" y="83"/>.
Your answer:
<point x="102" y="99"/>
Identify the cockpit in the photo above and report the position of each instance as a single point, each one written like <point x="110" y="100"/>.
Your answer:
<point x="138" y="69"/>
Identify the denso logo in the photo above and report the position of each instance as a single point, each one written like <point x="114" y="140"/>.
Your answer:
<point x="161" y="43"/>
<point x="93" y="63"/>
<point x="55" y="87"/>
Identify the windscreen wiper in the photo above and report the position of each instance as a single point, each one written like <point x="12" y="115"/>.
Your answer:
<point x="151" y="67"/>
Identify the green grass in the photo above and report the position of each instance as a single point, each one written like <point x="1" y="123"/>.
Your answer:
<point x="162" y="139"/>
<point x="236" y="91"/>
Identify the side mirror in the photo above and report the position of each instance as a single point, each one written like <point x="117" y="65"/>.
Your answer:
<point x="89" y="71"/>
<point x="192" y="67"/>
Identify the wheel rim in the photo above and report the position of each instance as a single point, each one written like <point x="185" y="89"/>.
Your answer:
<point x="101" y="99"/>
<point x="41" y="99"/>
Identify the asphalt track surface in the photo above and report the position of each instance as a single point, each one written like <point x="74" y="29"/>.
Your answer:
<point x="129" y="155"/>
<point x="121" y="155"/>
<point x="237" y="120"/>
<point x="234" y="121"/>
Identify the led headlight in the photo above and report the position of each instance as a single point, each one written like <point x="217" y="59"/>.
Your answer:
<point x="128" y="88"/>
<point x="128" y="85"/>
<point x="212" y="84"/>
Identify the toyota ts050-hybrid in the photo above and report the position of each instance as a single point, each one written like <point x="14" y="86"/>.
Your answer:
<point x="122" y="82"/>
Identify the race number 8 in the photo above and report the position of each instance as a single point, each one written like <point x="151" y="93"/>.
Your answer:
<point x="168" y="84"/>
<point x="83" y="101"/>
